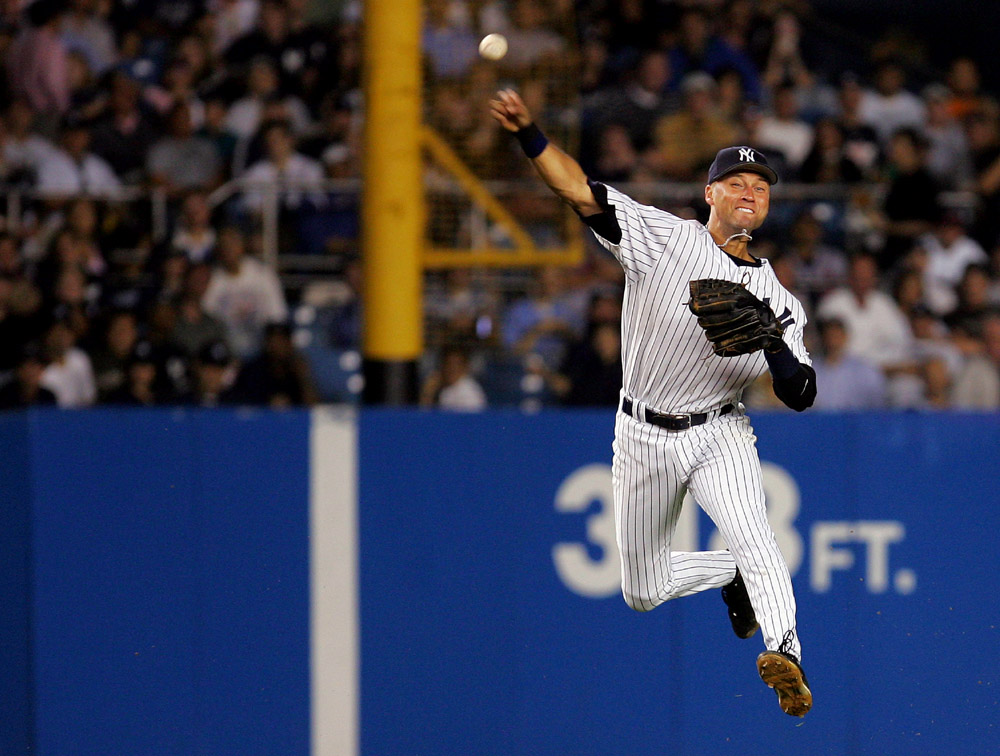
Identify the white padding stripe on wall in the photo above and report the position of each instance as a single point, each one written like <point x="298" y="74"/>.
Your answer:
<point x="334" y="582"/>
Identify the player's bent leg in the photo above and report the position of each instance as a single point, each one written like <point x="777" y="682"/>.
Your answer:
<point x="649" y="491"/>
<point x="689" y="572"/>
<point x="728" y="486"/>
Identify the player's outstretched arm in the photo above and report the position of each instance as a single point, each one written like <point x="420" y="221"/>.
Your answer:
<point x="562" y="173"/>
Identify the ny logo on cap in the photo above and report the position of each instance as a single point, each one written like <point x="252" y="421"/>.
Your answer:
<point x="746" y="155"/>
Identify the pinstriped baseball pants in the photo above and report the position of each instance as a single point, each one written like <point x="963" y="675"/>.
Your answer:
<point x="717" y="461"/>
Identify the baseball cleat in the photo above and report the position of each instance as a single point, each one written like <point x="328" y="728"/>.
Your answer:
<point x="783" y="673"/>
<point x="741" y="613"/>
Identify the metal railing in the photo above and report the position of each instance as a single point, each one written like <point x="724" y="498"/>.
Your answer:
<point x="480" y="231"/>
<point x="18" y="200"/>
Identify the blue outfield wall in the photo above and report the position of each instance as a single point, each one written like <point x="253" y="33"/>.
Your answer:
<point x="492" y="622"/>
<point x="168" y="582"/>
<point x="156" y="590"/>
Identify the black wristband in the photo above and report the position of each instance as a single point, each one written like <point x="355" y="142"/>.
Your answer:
<point x="532" y="140"/>
<point x="782" y="361"/>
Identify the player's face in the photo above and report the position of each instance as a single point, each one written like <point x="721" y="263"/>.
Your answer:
<point x="739" y="200"/>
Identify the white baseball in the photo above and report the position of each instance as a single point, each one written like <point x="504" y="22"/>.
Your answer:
<point x="493" y="46"/>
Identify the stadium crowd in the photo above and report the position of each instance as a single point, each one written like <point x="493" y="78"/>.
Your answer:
<point x="895" y="253"/>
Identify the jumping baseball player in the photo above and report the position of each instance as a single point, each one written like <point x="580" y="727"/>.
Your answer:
<point x="702" y="319"/>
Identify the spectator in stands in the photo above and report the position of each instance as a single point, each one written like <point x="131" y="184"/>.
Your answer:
<point x="973" y="297"/>
<point x="346" y="313"/>
<point x="247" y="114"/>
<point x="639" y="104"/>
<point x="782" y="131"/>
<point x="244" y="294"/>
<point x="949" y="251"/>
<point x="273" y="39"/>
<point x="208" y="71"/>
<point x="730" y="98"/>
<point x="73" y="302"/>
<point x="964" y="83"/>
<point x="11" y="261"/>
<point x="785" y="268"/>
<point x="911" y="202"/>
<point x="140" y="387"/>
<point x="194" y="237"/>
<point x="182" y="161"/>
<point x="686" y="142"/>
<point x="69" y="374"/>
<point x="828" y="161"/>
<point x="698" y="49"/>
<point x="618" y="160"/>
<point x="861" y="144"/>
<point x="26" y="389"/>
<point x="215" y="130"/>
<point x="545" y="322"/>
<point x="849" y="381"/>
<point x="75" y="246"/>
<point x="532" y="42"/>
<point x="110" y="361"/>
<point x="299" y="178"/>
<point x="786" y="64"/>
<point x="215" y="371"/>
<point x="784" y="59"/>
<point x="280" y="376"/>
<point x="591" y="373"/>
<point x="890" y="107"/>
<point x="22" y="151"/>
<point x="37" y="66"/>
<point x="83" y="222"/>
<point x="86" y="98"/>
<point x="877" y="331"/>
<point x="983" y="132"/>
<point x="937" y="385"/>
<point x="452" y="386"/>
<point x="177" y="87"/>
<point x="130" y="283"/>
<point x="335" y="141"/>
<point x="994" y="270"/>
<point x="21" y="320"/>
<point x="977" y="381"/>
<point x="931" y="339"/>
<point x="448" y="41"/>
<point x="819" y="268"/>
<point x="194" y="328"/>
<point x="85" y="29"/>
<point x="461" y="307"/>
<point x="74" y="169"/>
<point x="230" y="20"/>
<point x="991" y="337"/>
<point x="908" y="289"/>
<point x="948" y="158"/>
<point x="125" y="133"/>
<point x="309" y="58"/>
<point x="595" y="74"/>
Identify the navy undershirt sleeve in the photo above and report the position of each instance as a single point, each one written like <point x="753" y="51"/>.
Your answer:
<point x="605" y="223"/>
<point x="794" y="382"/>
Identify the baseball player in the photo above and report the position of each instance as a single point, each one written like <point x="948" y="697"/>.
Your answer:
<point x="702" y="319"/>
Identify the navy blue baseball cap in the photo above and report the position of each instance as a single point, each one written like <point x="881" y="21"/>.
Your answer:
<point x="738" y="159"/>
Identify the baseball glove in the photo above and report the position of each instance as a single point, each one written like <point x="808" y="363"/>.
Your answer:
<point x="735" y="321"/>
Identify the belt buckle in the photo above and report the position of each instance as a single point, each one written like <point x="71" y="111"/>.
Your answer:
<point x="683" y="420"/>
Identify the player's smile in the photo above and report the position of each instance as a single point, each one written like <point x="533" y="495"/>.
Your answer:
<point x="740" y="200"/>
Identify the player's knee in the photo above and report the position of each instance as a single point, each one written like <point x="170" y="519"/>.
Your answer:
<point x="640" y="602"/>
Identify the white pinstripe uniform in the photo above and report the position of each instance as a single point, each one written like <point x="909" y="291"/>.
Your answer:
<point x="669" y="367"/>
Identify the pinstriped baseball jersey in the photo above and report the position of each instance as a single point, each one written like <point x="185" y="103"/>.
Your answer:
<point x="668" y="364"/>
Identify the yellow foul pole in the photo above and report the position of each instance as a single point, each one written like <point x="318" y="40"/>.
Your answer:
<point x="393" y="201"/>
